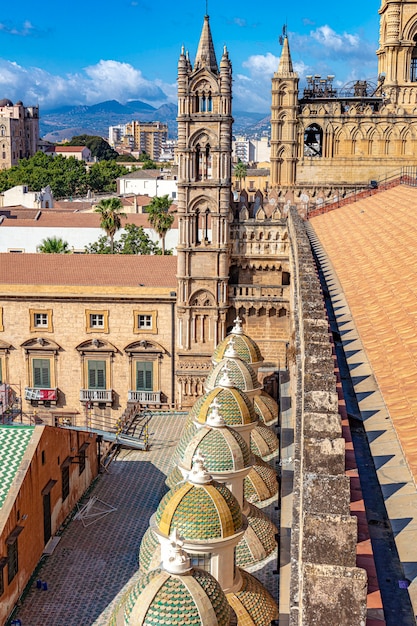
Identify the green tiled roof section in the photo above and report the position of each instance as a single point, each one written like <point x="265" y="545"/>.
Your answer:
<point x="196" y="515"/>
<point x="188" y="433"/>
<point x="14" y="441"/>
<point x="264" y="530"/>
<point x="246" y="348"/>
<point x="266" y="408"/>
<point x="256" y="600"/>
<point x="261" y="483"/>
<point x="235" y="407"/>
<point x="174" y="478"/>
<point x="173" y="603"/>
<point x="224" y="450"/>
<point x="263" y="441"/>
<point x="150" y="551"/>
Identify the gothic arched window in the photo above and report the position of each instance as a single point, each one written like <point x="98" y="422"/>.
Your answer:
<point x="413" y="65"/>
<point x="313" y="141"/>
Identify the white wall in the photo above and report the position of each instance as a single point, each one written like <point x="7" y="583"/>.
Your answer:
<point x="150" y="187"/>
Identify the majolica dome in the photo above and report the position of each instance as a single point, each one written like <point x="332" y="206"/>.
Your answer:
<point x="266" y="408"/>
<point x="177" y="594"/>
<point x="234" y="406"/>
<point x="233" y="372"/>
<point x="199" y="511"/>
<point x="264" y="442"/>
<point x="245" y="347"/>
<point x="150" y="551"/>
<point x="259" y="541"/>
<point x="224" y="450"/>
<point x="261" y="483"/>
<point x="253" y="605"/>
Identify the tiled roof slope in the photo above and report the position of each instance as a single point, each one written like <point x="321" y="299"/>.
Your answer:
<point x="372" y="246"/>
<point x="50" y="219"/>
<point x="14" y="441"/>
<point x="88" y="269"/>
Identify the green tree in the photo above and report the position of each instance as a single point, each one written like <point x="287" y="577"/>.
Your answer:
<point x="99" y="147"/>
<point x="134" y="240"/>
<point x="240" y="171"/>
<point x="110" y="210"/>
<point x="54" y="245"/>
<point x="159" y="217"/>
<point x="102" y="246"/>
<point x="102" y="176"/>
<point x="149" y="165"/>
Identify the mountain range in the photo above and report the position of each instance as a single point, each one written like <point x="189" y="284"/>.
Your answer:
<point x="67" y="121"/>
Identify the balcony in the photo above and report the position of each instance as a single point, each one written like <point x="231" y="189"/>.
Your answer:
<point x="42" y="396"/>
<point x="144" y="397"/>
<point x="97" y="396"/>
<point x="278" y="293"/>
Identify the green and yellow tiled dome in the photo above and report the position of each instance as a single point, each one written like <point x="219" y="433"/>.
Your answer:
<point x="264" y="442"/>
<point x="149" y="552"/>
<point x="224" y="450"/>
<point x="199" y="512"/>
<point x="258" y="542"/>
<point x="253" y="605"/>
<point x="234" y="406"/>
<point x="188" y="433"/>
<point x="261" y="483"/>
<point x="163" y="598"/>
<point x="233" y="372"/>
<point x="245" y="347"/>
<point x="174" y="477"/>
<point x="266" y="408"/>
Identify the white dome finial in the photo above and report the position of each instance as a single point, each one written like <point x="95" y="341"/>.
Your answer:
<point x="199" y="474"/>
<point x="177" y="560"/>
<point x="225" y="379"/>
<point x="237" y="328"/>
<point x="214" y="419"/>
<point x="230" y="352"/>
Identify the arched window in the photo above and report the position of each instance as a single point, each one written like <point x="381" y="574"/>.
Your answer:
<point x="209" y="103"/>
<point x="413" y="65"/>
<point x="313" y="141"/>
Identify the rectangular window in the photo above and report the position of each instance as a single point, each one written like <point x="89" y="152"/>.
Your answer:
<point x="40" y="320"/>
<point x="41" y="373"/>
<point x="65" y="482"/>
<point x="202" y="561"/>
<point x="96" y="320"/>
<point x="97" y="374"/>
<point x="12" y="560"/>
<point x="81" y="460"/>
<point x="144" y="321"/>
<point x="144" y="376"/>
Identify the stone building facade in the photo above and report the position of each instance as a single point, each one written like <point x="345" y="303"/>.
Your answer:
<point x="324" y="142"/>
<point x="19" y="132"/>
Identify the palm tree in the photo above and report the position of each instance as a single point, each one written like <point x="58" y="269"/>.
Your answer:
<point x="240" y="171"/>
<point x="111" y="214"/>
<point x="54" y="245"/>
<point x="159" y="217"/>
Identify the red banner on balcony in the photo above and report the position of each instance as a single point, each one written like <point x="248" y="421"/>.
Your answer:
<point x="47" y="394"/>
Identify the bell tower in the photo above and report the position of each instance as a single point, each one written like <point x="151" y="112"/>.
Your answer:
<point x="204" y="194"/>
<point x="397" y="54"/>
<point x="284" y="121"/>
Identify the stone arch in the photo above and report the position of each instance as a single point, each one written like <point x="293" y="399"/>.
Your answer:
<point x="313" y="141"/>
<point x="202" y="298"/>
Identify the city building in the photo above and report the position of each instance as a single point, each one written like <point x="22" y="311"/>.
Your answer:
<point x="19" y="132"/>
<point x="324" y="142"/>
<point x="148" y="137"/>
<point x="21" y="196"/>
<point x="149" y="182"/>
<point x="81" y="153"/>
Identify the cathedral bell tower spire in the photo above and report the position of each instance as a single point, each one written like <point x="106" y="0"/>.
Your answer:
<point x="204" y="191"/>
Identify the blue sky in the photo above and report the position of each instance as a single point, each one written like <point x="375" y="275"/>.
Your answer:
<point x="81" y="52"/>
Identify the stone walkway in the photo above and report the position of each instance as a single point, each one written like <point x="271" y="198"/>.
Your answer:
<point x="90" y="566"/>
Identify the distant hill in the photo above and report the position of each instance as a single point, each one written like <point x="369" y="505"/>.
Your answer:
<point x="67" y="121"/>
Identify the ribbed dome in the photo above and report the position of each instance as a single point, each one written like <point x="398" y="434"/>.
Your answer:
<point x="188" y="433"/>
<point x="261" y="483"/>
<point x="237" y="372"/>
<point x="5" y="102"/>
<point x="245" y="347"/>
<point x="149" y="552"/>
<point x="163" y="598"/>
<point x="234" y="406"/>
<point x="258" y="542"/>
<point x="224" y="450"/>
<point x="253" y="605"/>
<point x="174" y="477"/>
<point x="207" y="511"/>
<point x="264" y="442"/>
<point x="266" y="408"/>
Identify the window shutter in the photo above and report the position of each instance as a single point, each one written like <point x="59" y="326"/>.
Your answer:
<point x="96" y="374"/>
<point x="144" y="376"/>
<point x="41" y="373"/>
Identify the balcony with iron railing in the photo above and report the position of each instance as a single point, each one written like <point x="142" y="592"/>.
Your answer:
<point x="97" y="396"/>
<point x="144" y="397"/>
<point x="41" y="395"/>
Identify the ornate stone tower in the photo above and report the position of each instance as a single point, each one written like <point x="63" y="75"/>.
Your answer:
<point x="397" y="54"/>
<point x="204" y="193"/>
<point x="284" y="121"/>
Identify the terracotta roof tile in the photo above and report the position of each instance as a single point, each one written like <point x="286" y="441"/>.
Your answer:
<point x="64" y="219"/>
<point x="88" y="269"/>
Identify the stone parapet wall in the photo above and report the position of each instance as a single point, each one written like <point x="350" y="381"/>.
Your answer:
<point x="326" y="587"/>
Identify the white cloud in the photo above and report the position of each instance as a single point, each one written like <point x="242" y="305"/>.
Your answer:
<point x="262" y="64"/>
<point x="328" y="38"/>
<point x="107" y="80"/>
